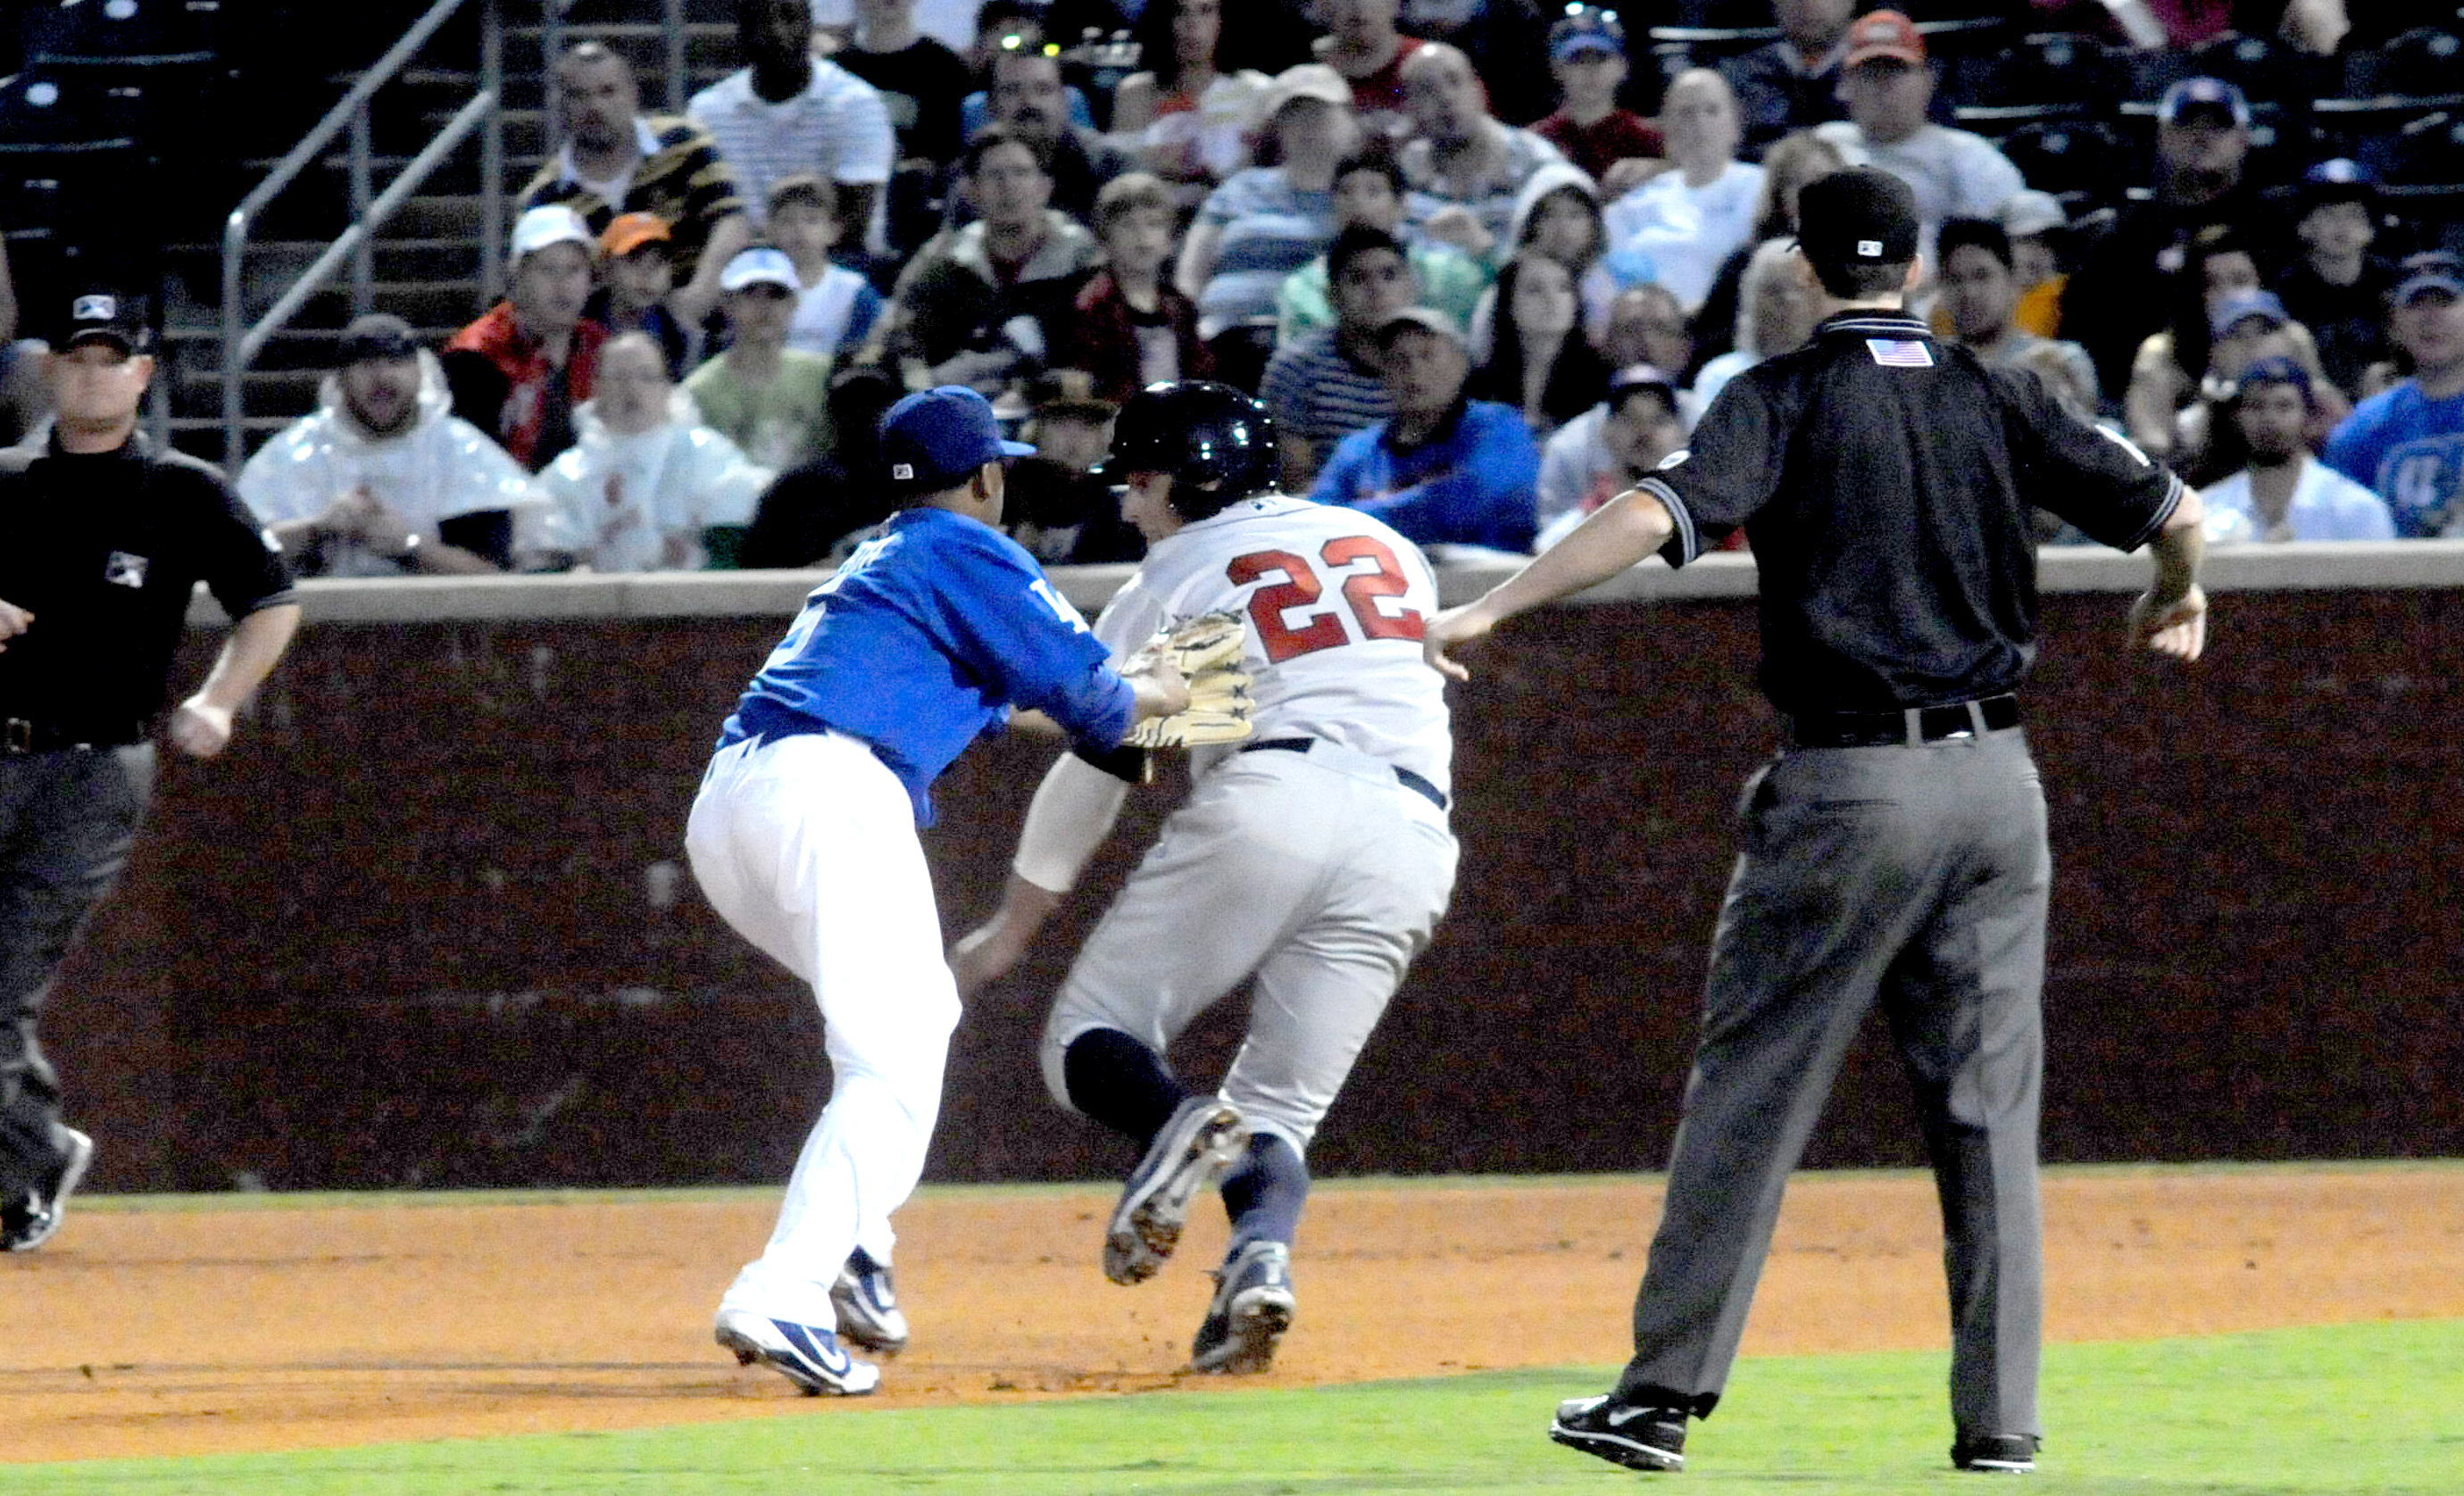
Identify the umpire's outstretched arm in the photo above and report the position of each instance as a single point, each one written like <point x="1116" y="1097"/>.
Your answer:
<point x="1619" y="534"/>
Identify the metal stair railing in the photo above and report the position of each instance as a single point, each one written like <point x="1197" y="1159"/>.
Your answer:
<point x="356" y="243"/>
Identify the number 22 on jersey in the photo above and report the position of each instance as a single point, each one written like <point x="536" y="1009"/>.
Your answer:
<point x="1293" y="616"/>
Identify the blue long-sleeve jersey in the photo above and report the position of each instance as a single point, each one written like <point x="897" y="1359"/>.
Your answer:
<point x="925" y="638"/>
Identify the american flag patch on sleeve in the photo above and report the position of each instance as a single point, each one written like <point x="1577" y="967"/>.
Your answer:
<point x="1899" y="353"/>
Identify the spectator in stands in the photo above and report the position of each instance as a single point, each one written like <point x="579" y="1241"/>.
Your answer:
<point x="1369" y="194"/>
<point x="2282" y="493"/>
<point x="1980" y="292"/>
<point x="2406" y="443"/>
<point x="1679" y="227"/>
<point x="1647" y="326"/>
<point x="1363" y="46"/>
<point x="972" y="307"/>
<point x="1788" y="165"/>
<point x="636" y="274"/>
<point x="2164" y="376"/>
<point x="1615" y="147"/>
<point x="1188" y="117"/>
<point x="2202" y="142"/>
<point x="1016" y="26"/>
<point x="1332" y="383"/>
<point x="1558" y="214"/>
<point x="1463" y="170"/>
<point x="1029" y="99"/>
<point x="517" y="372"/>
<point x="383" y="479"/>
<point x="815" y="512"/>
<point x="1059" y="508"/>
<point x="1607" y="449"/>
<point x="1443" y="468"/>
<point x="2248" y="326"/>
<point x="1129" y="328"/>
<point x="24" y="402"/>
<point x="787" y="113"/>
<point x="952" y="23"/>
<point x="920" y="78"/>
<point x="2040" y="232"/>
<point x="1793" y="83"/>
<point x="769" y="398"/>
<point x="1774" y="314"/>
<point x="837" y="309"/>
<point x="1269" y="220"/>
<point x="647" y="487"/>
<point x="1540" y="364"/>
<point x="614" y="161"/>
<point x="2338" y="287"/>
<point x="1510" y="38"/>
<point x="1888" y="85"/>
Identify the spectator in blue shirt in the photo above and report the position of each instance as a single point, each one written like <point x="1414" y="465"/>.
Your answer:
<point x="1443" y="468"/>
<point x="2405" y="444"/>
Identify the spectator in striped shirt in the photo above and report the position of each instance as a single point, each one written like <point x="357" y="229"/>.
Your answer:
<point x="614" y="161"/>
<point x="1333" y="382"/>
<point x="787" y="113"/>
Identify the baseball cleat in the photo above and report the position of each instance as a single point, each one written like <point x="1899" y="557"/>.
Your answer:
<point x="806" y="1354"/>
<point x="1203" y="1138"/>
<point x="1252" y="1309"/>
<point x="1631" y="1434"/>
<point x="34" y="1218"/>
<point x="1996" y="1454"/>
<point x="868" y="1305"/>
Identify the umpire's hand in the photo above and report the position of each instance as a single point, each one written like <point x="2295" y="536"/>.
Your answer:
<point x="200" y="728"/>
<point x="2178" y="629"/>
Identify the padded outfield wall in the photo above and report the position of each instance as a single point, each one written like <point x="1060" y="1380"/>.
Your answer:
<point x="427" y="922"/>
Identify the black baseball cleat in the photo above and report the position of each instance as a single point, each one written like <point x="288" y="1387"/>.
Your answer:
<point x="33" y="1218"/>
<point x="1996" y="1454"/>
<point x="1634" y="1435"/>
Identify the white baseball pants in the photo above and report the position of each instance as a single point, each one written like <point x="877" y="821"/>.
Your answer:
<point x="806" y="846"/>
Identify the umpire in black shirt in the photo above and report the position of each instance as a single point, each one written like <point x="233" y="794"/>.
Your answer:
<point x="1894" y="847"/>
<point x="102" y="542"/>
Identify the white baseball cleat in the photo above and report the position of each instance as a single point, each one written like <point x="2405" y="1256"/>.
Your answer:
<point x="1203" y="1138"/>
<point x="806" y="1354"/>
<point x="867" y="1304"/>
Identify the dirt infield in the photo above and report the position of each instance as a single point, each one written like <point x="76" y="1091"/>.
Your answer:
<point x="164" y="1332"/>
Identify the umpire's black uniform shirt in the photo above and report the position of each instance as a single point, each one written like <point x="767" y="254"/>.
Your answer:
<point x="1884" y="479"/>
<point x="104" y="549"/>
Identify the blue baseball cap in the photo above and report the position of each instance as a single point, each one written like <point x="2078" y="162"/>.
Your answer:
<point x="2203" y="99"/>
<point x="2242" y="305"/>
<point x="1586" y="29"/>
<point x="936" y="439"/>
<point x="2432" y="271"/>
<point x="2276" y="369"/>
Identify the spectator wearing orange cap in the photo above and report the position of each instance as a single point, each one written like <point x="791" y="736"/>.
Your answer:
<point x="637" y="269"/>
<point x="1888" y="86"/>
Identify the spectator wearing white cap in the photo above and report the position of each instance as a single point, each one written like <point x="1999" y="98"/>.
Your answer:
<point x="2407" y="442"/>
<point x="383" y="479"/>
<point x="647" y="487"/>
<point x="769" y="398"/>
<point x="1271" y="219"/>
<point x="517" y="372"/>
<point x="1888" y="86"/>
<point x="615" y="159"/>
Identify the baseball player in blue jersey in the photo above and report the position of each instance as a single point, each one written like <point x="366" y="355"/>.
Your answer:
<point x="803" y="838"/>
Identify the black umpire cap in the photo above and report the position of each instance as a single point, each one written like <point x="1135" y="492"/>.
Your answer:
<point x="109" y="317"/>
<point x="1860" y="216"/>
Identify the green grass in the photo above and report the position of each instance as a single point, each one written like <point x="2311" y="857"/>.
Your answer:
<point x="2348" y="1410"/>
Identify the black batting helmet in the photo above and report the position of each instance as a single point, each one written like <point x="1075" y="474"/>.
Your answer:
<point x="1198" y="432"/>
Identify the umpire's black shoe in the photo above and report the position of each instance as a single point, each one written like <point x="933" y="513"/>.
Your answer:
<point x="32" y="1219"/>
<point x="1634" y="1435"/>
<point x="1996" y="1454"/>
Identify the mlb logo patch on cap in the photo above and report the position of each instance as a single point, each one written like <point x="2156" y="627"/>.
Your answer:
<point x="1870" y="249"/>
<point x="94" y="309"/>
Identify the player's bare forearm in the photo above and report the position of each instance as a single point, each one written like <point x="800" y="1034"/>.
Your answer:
<point x="986" y="953"/>
<point x="2171" y="617"/>
<point x="1621" y="533"/>
<point x="202" y="724"/>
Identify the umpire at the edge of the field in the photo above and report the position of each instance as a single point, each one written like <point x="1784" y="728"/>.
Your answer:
<point x="1894" y="847"/>
<point x="102" y="539"/>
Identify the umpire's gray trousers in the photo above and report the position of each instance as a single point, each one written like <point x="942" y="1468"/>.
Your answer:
<point x="1918" y="875"/>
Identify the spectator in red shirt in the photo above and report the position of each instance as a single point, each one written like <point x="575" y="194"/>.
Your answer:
<point x="1616" y="147"/>
<point x="518" y="372"/>
<point x="1362" y="44"/>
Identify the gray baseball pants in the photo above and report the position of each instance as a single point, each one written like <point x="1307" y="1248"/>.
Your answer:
<point x="1916" y="875"/>
<point x="66" y="821"/>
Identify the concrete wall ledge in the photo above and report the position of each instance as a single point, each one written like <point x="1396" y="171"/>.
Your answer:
<point x="1463" y="573"/>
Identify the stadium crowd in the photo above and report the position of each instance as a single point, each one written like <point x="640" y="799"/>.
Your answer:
<point x="1485" y="260"/>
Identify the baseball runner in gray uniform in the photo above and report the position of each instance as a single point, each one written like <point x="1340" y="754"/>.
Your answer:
<point x="1315" y="856"/>
<point x="1894" y="850"/>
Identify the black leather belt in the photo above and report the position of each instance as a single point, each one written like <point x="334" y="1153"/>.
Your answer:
<point x="1405" y="777"/>
<point x="1904" y="728"/>
<point x="20" y="736"/>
